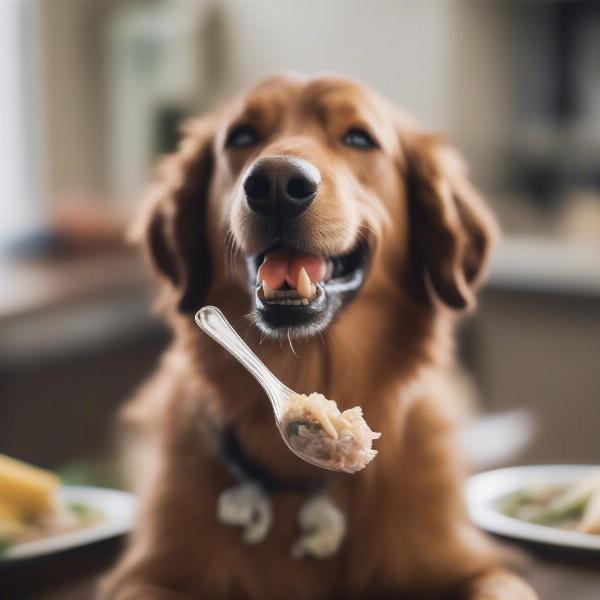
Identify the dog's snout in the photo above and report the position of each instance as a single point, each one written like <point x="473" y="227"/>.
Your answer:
<point x="281" y="187"/>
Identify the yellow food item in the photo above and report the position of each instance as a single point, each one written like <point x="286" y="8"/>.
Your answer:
<point x="25" y="489"/>
<point x="9" y="512"/>
<point x="10" y="521"/>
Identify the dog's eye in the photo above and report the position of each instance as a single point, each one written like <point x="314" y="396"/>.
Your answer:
<point x="242" y="137"/>
<point x="359" y="138"/>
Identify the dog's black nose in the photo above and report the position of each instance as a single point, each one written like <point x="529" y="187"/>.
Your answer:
<point x="281" y="187"/>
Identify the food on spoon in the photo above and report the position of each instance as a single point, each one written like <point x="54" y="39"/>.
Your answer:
<point x="316" y="428"/>
<point x="575" y="507"/>
<point x="29" y="508"/>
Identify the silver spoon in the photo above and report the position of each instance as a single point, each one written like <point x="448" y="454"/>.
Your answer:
<point x="211" y="320"/>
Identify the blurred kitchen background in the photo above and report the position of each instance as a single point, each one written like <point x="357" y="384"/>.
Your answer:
<point x="94" y="91"/>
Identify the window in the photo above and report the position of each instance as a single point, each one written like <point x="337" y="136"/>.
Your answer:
<point x="20" y="143"/>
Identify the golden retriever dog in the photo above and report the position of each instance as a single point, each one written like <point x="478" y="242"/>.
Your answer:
<point x="324" y="174"/>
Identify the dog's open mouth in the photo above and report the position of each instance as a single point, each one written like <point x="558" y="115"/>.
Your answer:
<point x="298" y="293"/>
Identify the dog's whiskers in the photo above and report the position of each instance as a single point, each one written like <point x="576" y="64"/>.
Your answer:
<point x="290" y="342"/>
<point x="248" y="328"/>
<point x="230" y="251"/>
<point x="322" y="338"/>
<point x="252" y="323"/>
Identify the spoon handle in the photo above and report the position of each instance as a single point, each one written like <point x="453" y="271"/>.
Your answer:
<point x="211" y="320"/>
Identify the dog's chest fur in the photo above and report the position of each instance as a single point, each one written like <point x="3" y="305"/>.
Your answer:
<point x="388" y="499"/>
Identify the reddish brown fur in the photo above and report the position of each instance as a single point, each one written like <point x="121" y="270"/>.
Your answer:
<point x="390" y="351"/>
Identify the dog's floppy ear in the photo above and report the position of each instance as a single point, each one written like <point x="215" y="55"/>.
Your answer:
<point x="451" y="229"/>
<point x="172" y="223"/>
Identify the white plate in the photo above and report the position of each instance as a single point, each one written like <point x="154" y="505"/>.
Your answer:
<point x="484" y="490"/>
<point x="117" y="508"/>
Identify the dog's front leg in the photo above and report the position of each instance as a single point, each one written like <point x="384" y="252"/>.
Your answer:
<point x="497" y="584"/>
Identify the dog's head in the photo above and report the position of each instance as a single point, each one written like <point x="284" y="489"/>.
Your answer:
<point x="307" y="194"/>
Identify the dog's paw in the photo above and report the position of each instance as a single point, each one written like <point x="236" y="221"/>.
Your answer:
<point x="246" y="505"/>
<point x="500" y="585"/>
<point x="323" y="526"/>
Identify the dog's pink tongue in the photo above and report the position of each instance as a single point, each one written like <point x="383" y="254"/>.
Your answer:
<point x="281" y="266"/>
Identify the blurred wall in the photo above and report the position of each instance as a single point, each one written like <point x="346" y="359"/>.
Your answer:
<point x="400" y="48"/>
<point x="541" y="351"/>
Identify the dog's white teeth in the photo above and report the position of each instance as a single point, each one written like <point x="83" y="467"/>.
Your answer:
<point x="306" y="291"/>
<point x="328" y="270"/>
<point x="267" y="291"/>
<point x="306" y="288"/>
